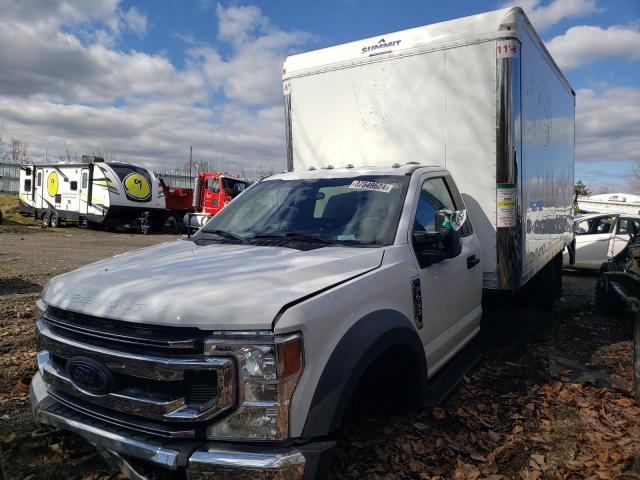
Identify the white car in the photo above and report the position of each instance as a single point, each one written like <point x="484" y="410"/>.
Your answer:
<point x="599" y="237"/>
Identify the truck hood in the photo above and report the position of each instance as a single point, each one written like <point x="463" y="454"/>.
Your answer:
<point x="217" y="286"/>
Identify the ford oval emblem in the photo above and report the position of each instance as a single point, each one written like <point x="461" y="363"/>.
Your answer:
<point x="89" y="375"/>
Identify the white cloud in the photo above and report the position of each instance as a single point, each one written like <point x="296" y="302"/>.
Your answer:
<point x="585" y="44"/>
<point x="544" y="16"/>
<point x="237" y="24"/>
<point x="59" y="67"/>
<point x="251" y="74"/>
<point x="136" y="21"/>
<point x="65" y="84"/>
<point x="607" y="125"/>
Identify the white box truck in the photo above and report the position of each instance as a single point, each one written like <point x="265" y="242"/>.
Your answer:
<point x="425" y="165"/>
<point x="479" y="96"/>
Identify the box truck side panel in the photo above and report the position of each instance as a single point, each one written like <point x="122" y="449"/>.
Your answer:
<point x="471" y="139"/>
<point x="548" y="109"/>
<point x="433" y="107"/>
<point x="376" y="114"/>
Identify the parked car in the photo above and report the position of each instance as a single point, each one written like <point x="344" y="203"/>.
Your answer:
<point x="618" y="288"/>
<point x="600" y="237"/>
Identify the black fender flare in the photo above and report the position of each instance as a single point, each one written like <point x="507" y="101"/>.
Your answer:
<point x="365" y="341"/>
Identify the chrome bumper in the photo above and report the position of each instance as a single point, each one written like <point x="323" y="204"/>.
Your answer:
<point x="205" y="460"/>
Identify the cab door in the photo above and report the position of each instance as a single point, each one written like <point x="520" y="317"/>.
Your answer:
<point x="211" y="196"/>
<point x="626" y="227"/>
<point x="451" y="289"/>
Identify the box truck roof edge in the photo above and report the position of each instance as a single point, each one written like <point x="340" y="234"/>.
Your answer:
<point x="435" y="35"/>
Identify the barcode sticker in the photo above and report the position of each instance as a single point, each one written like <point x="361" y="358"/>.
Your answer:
<point x="372" y="186"/>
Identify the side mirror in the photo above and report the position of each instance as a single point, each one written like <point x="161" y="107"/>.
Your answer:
<point x="430" y="247"/>
<point x="445" y="242"/>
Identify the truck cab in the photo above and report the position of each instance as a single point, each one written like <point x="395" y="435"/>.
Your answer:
<point x="218" y="190"/>
<point x="326" y="272"/>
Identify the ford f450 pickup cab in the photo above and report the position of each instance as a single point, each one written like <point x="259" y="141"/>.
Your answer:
<point x="362" y="264"/>
<point x="324" y="272"/>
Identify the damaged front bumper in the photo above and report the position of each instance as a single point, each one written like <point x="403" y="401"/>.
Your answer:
<point x="137" y="454"/>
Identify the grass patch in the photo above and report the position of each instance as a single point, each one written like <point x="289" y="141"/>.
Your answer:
<point x="11" y="211"/>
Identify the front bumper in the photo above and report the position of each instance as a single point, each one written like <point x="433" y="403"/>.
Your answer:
<point x="193" y="459"/>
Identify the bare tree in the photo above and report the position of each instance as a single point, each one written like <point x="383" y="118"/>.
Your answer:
<point x="5" y="151"/>
<point x="18" y="151"/>
<point x="604" y="189"/>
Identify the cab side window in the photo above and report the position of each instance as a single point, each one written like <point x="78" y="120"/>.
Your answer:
<point x="602" y="225"/>
<point x="628" y="226"/>
<point x="214" y="185"/>
<point x="434" y="196"/>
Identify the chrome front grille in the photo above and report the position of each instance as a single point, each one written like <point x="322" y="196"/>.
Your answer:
<point x="169" y="394"/>
<point x="128" y="337"/>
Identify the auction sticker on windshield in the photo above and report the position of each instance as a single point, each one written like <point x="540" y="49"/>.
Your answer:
<point x="372" y="186"/>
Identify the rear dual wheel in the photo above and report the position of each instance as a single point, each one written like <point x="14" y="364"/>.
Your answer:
<point x="547" y="285"/>
<point x="51" y="219"/>
<point x="55" y="219"/>
<point x="46" y="219"/>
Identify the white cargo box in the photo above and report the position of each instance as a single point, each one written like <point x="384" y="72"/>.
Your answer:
<point x="480" y="96"/>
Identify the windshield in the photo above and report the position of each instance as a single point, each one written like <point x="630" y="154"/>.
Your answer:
<point x="236" y="186"/>
<point x="352" y="211"/>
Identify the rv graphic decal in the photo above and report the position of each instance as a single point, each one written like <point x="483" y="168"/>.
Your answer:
<point x="52" y="184"/>
<point x="137" y="187"/>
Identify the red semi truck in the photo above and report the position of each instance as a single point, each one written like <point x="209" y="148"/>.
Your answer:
<point x="211" y="192"/>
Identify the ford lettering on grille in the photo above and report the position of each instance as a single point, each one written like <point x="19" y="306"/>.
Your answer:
<point x="90" y="375"/>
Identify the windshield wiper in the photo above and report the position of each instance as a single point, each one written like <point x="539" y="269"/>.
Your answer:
<point x="296" y="236"/>
<point x="227" y="235"/>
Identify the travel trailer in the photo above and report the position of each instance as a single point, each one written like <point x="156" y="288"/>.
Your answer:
<point x="93" y="193"/>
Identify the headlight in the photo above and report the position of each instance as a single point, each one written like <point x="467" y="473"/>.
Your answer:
<point x="269" y="367"/>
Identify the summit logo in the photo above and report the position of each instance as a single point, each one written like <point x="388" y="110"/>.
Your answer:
<point x="382" y="44"/>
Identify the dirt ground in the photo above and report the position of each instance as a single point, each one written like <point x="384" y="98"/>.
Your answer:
<point x="508" y="419"/>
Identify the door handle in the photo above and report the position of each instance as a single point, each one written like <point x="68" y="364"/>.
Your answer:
<point x="472" y="261"/>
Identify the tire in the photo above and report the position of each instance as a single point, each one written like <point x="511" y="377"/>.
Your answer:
<point x="545" y="286"/>
<point x="54" y="220"/>
<point x="608" y="302"/>
<point x="46" y="219"/>
<point x="171" y="225"/>
<point x="636" y="357"/>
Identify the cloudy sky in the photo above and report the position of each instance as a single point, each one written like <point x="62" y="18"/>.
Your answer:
<point x="144" y="80"/>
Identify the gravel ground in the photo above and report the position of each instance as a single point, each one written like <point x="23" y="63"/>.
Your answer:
<point x="509" y="418"/>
